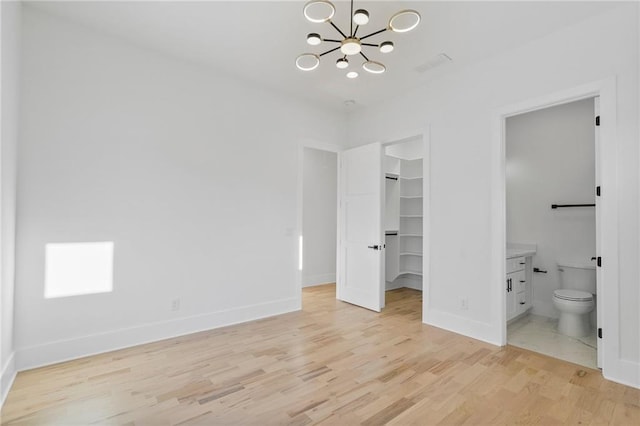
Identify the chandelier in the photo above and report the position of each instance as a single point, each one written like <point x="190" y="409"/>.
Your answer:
<point x="351" y="45"/>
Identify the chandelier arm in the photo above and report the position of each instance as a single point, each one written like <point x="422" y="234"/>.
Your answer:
<point x="331" y="40"/>
<point x="356" y="30"/>
<point x="364" y="56"/>
<point x="370" y="44"/>
<point x="374" y="33"/>
<point x="329" y="51"/>
<point x="338" y="29"/>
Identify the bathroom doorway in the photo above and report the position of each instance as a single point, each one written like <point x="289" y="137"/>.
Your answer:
<point x="551" y="177"/>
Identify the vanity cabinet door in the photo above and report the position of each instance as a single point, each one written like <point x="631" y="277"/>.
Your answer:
<point x="511" y="295"/>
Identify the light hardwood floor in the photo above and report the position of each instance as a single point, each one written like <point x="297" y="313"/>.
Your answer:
<point x="332" y="363"/>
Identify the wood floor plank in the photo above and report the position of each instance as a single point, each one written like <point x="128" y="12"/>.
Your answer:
<point x="330" y="364"/>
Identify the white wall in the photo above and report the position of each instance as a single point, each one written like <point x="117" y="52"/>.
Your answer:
<point x="191" y="174"/>
<point x="459" y="107"/>
<point x="551" y="160"/>
<point x="10" y="71"/>
<point x="319" y="221"/>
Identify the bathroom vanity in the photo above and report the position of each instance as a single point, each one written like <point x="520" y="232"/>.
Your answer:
<point x="519" y="268"/>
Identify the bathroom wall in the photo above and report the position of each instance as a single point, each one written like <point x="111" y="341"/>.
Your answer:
<point x="320" y="213"/>
<point x="551" y="160"/>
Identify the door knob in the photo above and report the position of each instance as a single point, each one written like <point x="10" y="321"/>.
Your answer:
<point x="375" y="247"/>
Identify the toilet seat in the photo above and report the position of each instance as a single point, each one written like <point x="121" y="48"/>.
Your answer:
<point x="573" y="295"/>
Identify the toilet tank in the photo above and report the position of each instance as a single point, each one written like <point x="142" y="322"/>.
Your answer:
<point x="577" y="276"/>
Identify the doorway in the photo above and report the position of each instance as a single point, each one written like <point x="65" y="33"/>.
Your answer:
<point x="607" y="232"/>
<point x="383" y="221"/>
<point x="551" y="175"/>
<point x="403" y="214"/>
<point x="361" y="175"/>
<point x="317" y="240"/>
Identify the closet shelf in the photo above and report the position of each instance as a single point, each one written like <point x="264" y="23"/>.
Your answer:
<point x="411" y="196"/>
<point x="411" y="215"/>
<point x="410" y="272"/>
<point x="410" y="253"/>
<point x="410" y="235"/>
<point x="410" y="178"/>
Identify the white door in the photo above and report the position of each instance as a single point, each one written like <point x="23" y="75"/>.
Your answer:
<point x="361" y="240"/>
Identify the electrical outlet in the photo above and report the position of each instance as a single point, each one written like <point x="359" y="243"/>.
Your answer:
<point x="464" y="304"/>
<point x="175" y="305"/>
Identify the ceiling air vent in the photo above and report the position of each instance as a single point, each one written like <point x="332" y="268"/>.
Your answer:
<point x="434" y="61"/>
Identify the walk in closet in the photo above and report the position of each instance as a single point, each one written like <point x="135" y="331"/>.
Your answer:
<point x="403" y="215"/>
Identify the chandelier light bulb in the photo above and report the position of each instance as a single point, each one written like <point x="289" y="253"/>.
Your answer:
<point x="361" y="17"/>
<point x="404" y="21"/>
<point x="307" y="62"/>
<point x="351" y="46"/>
<point x="319" y="11"/>
<point x="374" y="67"/>
<point x="314" y="39"/>
<point x="342" y="63"/>
<point x="352" y="74"/>
<point x="386" y="47"/>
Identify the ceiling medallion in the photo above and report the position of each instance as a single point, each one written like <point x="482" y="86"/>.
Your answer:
<point x="321" y="11"/>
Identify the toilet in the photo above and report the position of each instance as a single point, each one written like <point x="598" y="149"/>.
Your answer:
<point x="576" y="298"/>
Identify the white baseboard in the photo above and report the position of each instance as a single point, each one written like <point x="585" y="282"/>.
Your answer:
<point x="318" y="279"/>
<point x="404" y="282"/>
<point x="393" y="285"/>
<point x="8" y="376"/>
<point x="461" y="325"/>
<point x="626" y="373"/>
<point x="65" y="350"/>
<point x="413" y="283"/>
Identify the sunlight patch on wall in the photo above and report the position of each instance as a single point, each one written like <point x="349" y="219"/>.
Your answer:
<point x="73" y="269"/>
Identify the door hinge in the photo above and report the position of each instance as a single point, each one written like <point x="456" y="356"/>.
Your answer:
<point x="598" y="191"/>
<point x="600" y="333"/>
<point x="597" y="120"/>
<point x="599" y="261"/>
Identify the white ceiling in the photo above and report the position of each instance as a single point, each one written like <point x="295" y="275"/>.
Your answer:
<point x="259" y="40"/>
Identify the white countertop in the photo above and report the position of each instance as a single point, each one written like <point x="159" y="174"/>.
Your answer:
<point x="520" y="250"/>
<point x="519" y="253"/>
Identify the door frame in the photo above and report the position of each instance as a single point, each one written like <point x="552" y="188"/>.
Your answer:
<point x="424" y="134"/>
<point x="321" y="146"/>
<point x="607" y="240"/>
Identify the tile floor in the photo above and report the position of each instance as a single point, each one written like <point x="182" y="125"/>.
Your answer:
<point x="540" y="334"/>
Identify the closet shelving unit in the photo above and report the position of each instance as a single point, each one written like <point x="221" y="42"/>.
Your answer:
<point x="410" y="235"/>
<point x="404" y="251"/>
